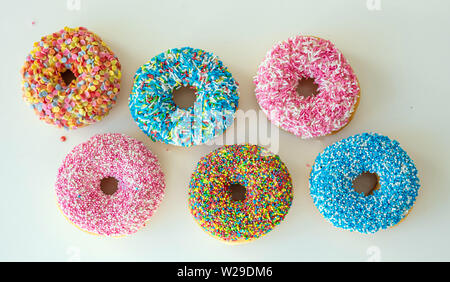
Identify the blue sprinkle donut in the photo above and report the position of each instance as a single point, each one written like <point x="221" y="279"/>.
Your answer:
<point x="335" y="169"/>
<point x="156" y="114"/>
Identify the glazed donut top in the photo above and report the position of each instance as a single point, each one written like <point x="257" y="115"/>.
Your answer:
<point x="152" y="107"/>
<point x="303" y="57"/>
<point x="140" y="185"/>
<point x="335" y="169"/>
<point x="268" y="192"/>
<point x="89" y="96"/>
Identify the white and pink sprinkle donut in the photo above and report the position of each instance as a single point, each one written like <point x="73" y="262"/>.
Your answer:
<point x="140" y="185"/>
<point x="302" y="57"/>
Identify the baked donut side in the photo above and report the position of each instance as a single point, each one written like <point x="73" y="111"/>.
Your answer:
<point x="151" y="101"/>
<point x="268" y="195"/>
<point x="96" y="78"/>
<point x="339" y="164"/>
<point x="140" y="185"/>
<point x="302" y="57"/>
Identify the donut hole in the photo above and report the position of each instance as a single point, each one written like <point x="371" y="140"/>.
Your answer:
<point x="67" y="76"/>
<point x="184" y="97"/>
<point x="237" y="192"/>
<point x="109" y="185"/>
<point x="307" y="87"/>
<point x="366" y="183"/>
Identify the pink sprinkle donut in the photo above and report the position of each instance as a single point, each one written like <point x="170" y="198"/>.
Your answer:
<point x="303" y="57"/>
<point x="140" y="185"/>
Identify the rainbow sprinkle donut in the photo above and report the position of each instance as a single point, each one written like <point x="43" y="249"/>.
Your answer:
<point x="335" y="169"/>
<point x="267" y="200"/>
<point x="140" y="185"/>
<point x="156" y="114"/>
<point x="89" y="97"/>
<point x="303" y="57"/>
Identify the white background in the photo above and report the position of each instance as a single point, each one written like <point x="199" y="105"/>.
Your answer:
<point x="399" y="53"/>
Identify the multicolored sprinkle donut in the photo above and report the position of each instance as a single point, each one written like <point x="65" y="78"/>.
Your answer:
<point x="268" y="192"/>
<point x="303" y="57"/>
<point x="140" y="185"/>
<point x="335" y="169"/>
<point x="156" y="114"/>
<point x="89" y="97"/>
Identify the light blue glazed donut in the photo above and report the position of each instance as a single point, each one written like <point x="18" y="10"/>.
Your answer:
<point x="335" y="169"/>
<point x="156" y="114"/>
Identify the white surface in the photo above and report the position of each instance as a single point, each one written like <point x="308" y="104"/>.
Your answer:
<point x="399" y="53"/>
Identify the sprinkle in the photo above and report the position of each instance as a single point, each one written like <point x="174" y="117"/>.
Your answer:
<point x="81" y="199"/>
<point x="152" y="107"/>
<point x="302" y="57"/>
<point x="268" y="197"/>
<point x="335" y="169"/>
<point x="63" y="138"/>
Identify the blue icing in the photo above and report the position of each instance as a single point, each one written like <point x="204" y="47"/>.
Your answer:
<point x="335" y="169"/>
<point x="156" y="114"/>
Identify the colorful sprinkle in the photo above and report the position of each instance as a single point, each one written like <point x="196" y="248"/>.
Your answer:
<point x="89" y="59"/>
<point x="140" y="185"/>
<point x="156" y="114"/>
<point x="303" y="57"/>
<point x="63" y="138"/>
<point x="335" y="169"/>
<point x="268" y="192"/>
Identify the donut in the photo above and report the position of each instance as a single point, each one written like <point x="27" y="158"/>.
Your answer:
<point x="89" y="96"/>
<point x="335" y="169"/>
<point x="139" y="191"/>
<point x="268" y="195"/>
<point x="303" y="57"/>
<point x="156" y="114"/>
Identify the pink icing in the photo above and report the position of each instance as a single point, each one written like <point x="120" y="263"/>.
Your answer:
<point x="140" y="189"/>
<point x="307" y="57"/>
